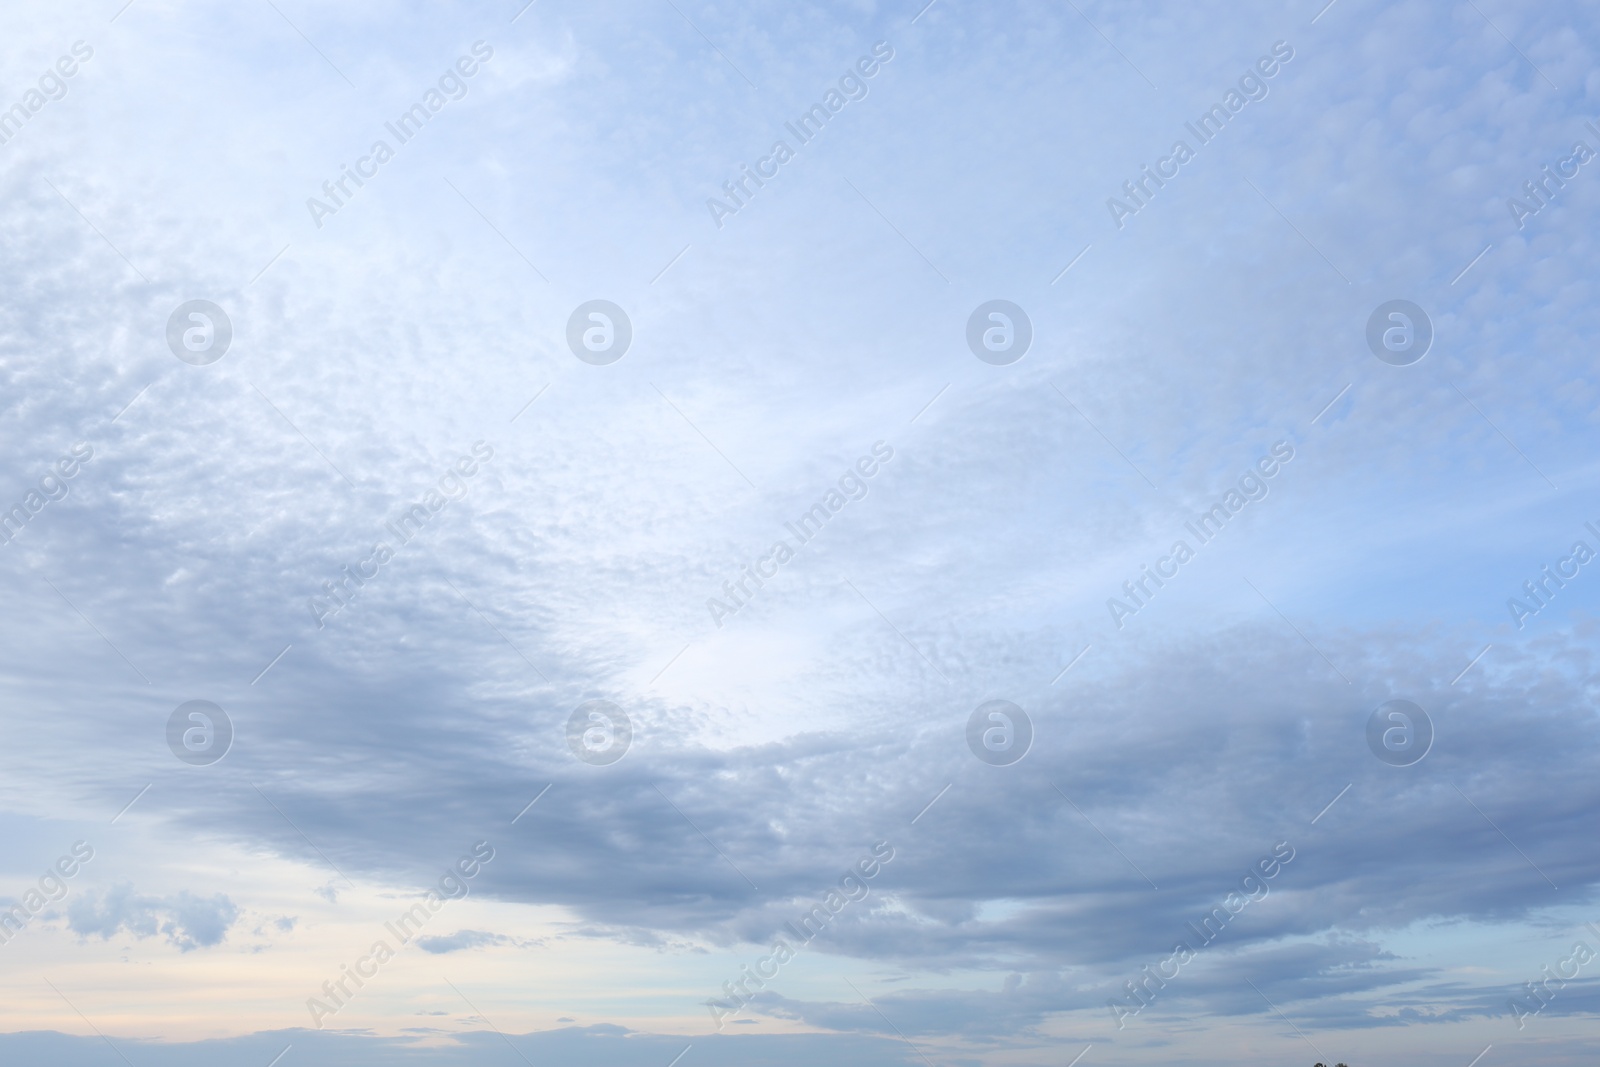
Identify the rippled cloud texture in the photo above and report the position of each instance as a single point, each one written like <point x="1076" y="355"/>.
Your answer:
<point x="965" y="534"/>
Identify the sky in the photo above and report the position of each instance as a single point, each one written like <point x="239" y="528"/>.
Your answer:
<point x="975" y="535"/>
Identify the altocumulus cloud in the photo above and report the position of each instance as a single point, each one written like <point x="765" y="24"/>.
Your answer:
<point x="185" y="920"/>
<point x="770" y="751"/>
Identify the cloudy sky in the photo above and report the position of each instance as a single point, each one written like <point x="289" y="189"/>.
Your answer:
<point x="453" y="492"/>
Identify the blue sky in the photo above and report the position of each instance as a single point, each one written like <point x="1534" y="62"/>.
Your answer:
<point x="415" y="341"/>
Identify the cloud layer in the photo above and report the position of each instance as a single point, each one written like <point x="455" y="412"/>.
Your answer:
<point x="402" y="530"/>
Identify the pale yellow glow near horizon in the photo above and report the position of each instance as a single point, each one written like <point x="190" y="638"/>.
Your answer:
<point x="261" y="976"/>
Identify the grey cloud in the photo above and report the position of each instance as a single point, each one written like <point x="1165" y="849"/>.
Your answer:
<point x="185" y="920"/>
<point x="428" y="714"/>
<point x="592" y="1046"/>
<point x="465" y="939"/>
<point x="1202" y="790"/>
